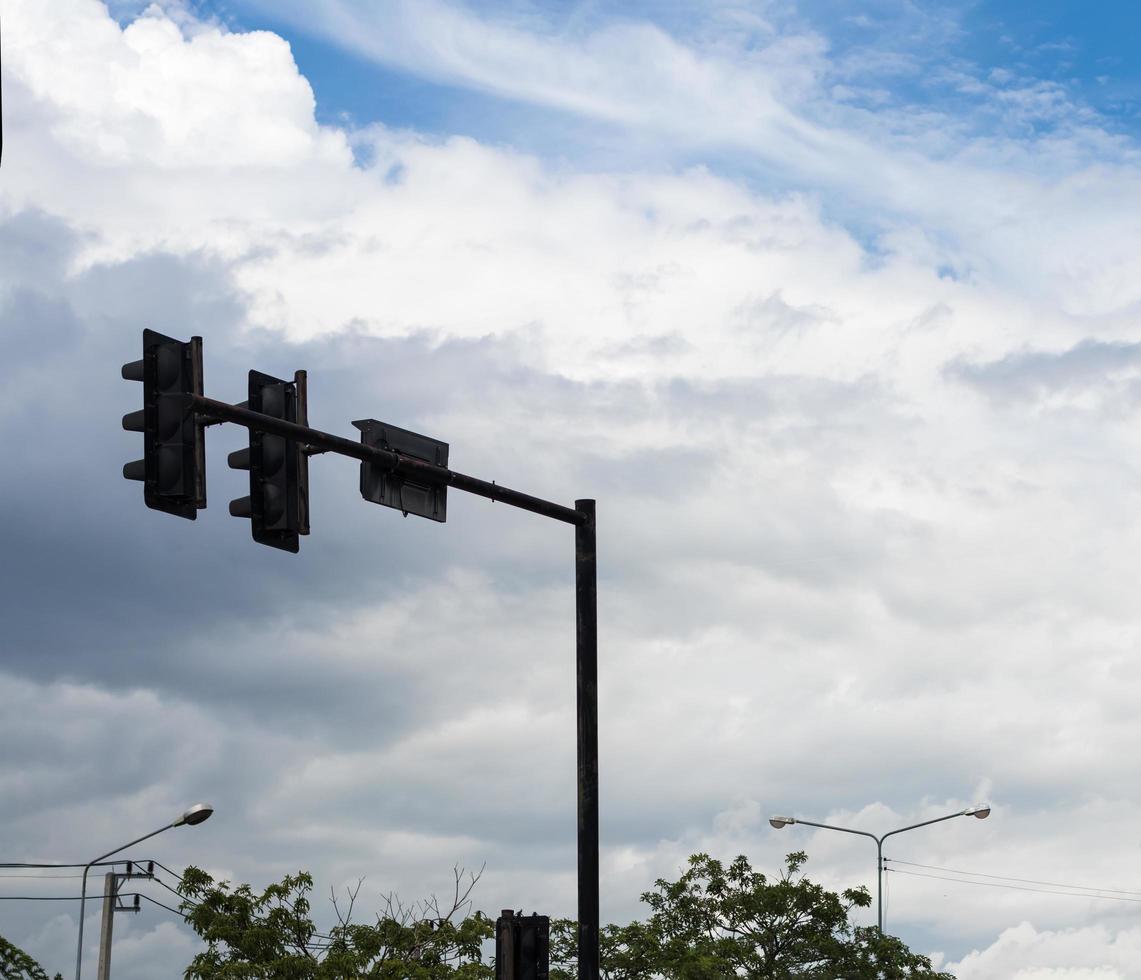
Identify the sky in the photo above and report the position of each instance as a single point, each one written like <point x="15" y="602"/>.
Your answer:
<point x="833" y="308"/>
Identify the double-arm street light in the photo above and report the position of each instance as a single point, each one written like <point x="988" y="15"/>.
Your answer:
<point x="195" y="815"/>
<point x="980" y="812"/>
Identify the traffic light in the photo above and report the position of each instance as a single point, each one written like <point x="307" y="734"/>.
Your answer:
<point x="396" y="490"/>
<point x="278" y="504"/>
<point x="173" y="467"/>
<point x="534" y="958"/>
<point x="522" y="946"/>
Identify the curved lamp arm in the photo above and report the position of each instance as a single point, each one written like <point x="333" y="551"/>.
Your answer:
<point x="924" y="823"/>
<point x="83" y="890"/>
<point x="828" y="826"/>
<point x="195" y="815"/>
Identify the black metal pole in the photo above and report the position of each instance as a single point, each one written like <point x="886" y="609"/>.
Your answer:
<point x="210" y="410"/>
<point x="586" y="621"/>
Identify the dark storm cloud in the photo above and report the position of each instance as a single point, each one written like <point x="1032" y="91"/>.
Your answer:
<point x="1030" y="374"/>
<point x="94" y="585"/>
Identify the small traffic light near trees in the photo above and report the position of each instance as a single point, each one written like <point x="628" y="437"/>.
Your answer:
<point x="278" y="502"/>
<point x="522" y="946"/>
<point x="173" y="467"/>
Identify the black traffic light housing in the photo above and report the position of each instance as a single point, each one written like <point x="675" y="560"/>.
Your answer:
<point x="278" y="503"/>
<point x="522" y="946"/>
<point x="173" y="467"/>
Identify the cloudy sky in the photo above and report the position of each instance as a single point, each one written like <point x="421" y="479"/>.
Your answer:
<point x="832" y="307"/>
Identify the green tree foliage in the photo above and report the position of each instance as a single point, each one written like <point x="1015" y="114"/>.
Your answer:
<point x="15" y="964"/>
<point x="716" y="922"/>
<point x="271" y="935"/>
<point x="720" y="922"/>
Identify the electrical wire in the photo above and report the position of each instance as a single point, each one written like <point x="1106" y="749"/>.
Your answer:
<point x="327" y="939"/>
<point x="39" y="877"/>
<point x="169" y="888"/>
<point x="1025" y="881"/>
<point x="319" y="947"/>
<point x="80" y="864"/>
<point x="155" y="901"/>
<point x="159" y="864"/>
<point x="1019" y="888"/>
<point x="194" y="905"/>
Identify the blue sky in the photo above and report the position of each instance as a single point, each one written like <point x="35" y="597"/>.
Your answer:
<point x="1089" y="52"/>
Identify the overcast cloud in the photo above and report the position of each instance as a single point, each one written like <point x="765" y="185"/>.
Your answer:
<point x="855" y="382"/>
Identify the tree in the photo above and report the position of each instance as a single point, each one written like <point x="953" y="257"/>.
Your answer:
<point x="271" y="934"/>
<point x="15" y="964"/>
<point x="717" y="922"/>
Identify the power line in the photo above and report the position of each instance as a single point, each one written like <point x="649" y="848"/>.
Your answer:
<point x="309" y="946"/>
<point x="194" y="905"/>
<point x="40" y="877"/>
<point x="1019" y="888"/>
<point x="69" y="898"/>
<point x="169" y="888"/>
<point x="155" y="901"/>
<point x="80" y="864"/>
<point x="1026" y="881"/>
<point x="159" y="864"/>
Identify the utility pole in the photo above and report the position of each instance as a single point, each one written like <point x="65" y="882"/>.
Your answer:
<point x="111" y="905"/>
<point x="110" y="887"/>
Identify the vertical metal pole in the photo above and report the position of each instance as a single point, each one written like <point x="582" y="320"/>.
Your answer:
<point x="879" y="883"/>
<point x="82" y="910"/>
<point x="109" y="888"/>
<point x="586" y="618"/>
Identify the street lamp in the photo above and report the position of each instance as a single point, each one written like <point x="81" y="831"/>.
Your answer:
<point x="979" y="812"/>
<point x="191" y="817"/>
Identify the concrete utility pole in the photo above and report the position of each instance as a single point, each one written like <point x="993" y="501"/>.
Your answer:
<point x="110" y="888"/>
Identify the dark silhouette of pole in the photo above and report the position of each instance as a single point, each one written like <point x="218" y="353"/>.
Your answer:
<point x="211" y="411"/>
<point x="586" y="632"/>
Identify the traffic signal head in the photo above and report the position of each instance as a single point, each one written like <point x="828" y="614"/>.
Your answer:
<point x="522" y="946"/>
<point x="173" y="467"/>
<point x="278" y="503"/>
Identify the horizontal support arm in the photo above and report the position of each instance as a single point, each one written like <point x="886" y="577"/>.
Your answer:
<point x="210" y="411"/>
<point x="924" y="823"/>
<point x="843" y="830"/>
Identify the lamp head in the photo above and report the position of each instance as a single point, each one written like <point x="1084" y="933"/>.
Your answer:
<point x="781" y="822"/>
<point x="195" y="815"/>
<point x="981" y="812"/>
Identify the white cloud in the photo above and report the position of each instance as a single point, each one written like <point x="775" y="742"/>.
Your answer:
<point x="1025" y="953"/>
<point x="1048" y="211"/>
<point x="867" y="530"/>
